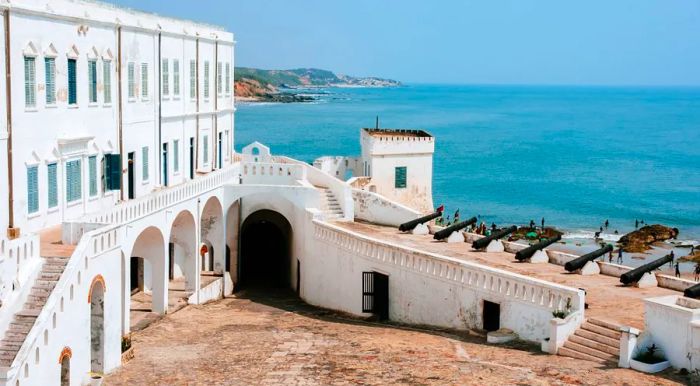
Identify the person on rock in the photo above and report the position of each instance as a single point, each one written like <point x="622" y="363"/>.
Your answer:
<point x="636" y="224"/>
<point x="678" y="270"/>
<point x="542" y="223"/>
<point x="697" y="271"/>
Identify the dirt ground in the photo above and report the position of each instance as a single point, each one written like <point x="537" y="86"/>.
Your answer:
<point x="275" y="339"/>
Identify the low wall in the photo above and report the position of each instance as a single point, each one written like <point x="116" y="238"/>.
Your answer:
<point x="426" y="288"/>
<point x="670" y="322"/>
<point x="212" y="291"/>
<point x="375" y="208"/>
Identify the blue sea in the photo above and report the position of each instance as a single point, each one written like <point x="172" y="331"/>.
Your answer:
<point x="573" y="155"/>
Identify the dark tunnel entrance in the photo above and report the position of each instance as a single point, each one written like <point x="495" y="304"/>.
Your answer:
<point x="265" y="258"/>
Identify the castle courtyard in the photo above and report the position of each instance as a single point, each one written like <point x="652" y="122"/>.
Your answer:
<point x="256" y="338"/>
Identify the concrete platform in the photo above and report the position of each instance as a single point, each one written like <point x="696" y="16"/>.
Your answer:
<point x="605" y="295"/>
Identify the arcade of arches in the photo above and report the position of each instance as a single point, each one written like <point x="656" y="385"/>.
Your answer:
<point x="165" y="269"/>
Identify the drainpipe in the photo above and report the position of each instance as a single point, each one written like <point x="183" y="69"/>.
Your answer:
<point x="216" y="104"/>
<point x="119" y="112"/>
<point x="12" y="232"/>
<point x="196" y="81"/>
<point x="160" y="113"/>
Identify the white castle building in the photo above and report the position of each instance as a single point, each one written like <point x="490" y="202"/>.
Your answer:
<point x="123" y="199"/>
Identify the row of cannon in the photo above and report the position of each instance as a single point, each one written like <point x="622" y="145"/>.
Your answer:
<point x="632" y="276"/>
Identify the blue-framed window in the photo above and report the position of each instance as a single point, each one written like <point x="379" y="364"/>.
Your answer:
<point x="32" y="189"/>
<point x="72" y="82"/>
<point x="52" y="180"/>
<point x="74" y="181"/>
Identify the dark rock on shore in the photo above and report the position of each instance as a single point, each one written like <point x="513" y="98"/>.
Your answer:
<point x="284" y="98"/>
<point x="641" y="239"/>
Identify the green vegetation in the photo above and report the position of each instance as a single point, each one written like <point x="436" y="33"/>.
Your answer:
<point x="302" y="77"/>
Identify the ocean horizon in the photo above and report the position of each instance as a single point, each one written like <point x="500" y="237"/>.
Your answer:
<point x="575" y="155"/>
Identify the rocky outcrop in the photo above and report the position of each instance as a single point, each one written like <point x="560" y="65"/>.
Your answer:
<point x="253" y="90"/>
<point x="641" y="239"/>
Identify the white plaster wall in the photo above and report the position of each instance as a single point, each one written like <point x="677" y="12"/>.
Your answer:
<point x="670" y="327"/>
<point x="429" y="294"/>
<point x="377" y="209"/>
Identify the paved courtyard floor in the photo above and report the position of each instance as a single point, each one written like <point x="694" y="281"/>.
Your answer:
<point x="275" y="339"/>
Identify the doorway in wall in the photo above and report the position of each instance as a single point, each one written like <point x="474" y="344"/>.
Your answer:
<point x="492" y="316"/>
<point x="130" y="175"/>
<point x="375" y="294"/>
<point x="219" y="155"/>
<point x="191" y="158"/>
<point x="97" y="327"/>
<point x="171" y="261"/>
<point x="265" y="257"/>
<point x="136" y="268"/>
<point x="65" y="370"/>
<point x="164" y="165"/>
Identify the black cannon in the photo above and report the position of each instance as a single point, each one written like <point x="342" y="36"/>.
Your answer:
<point x="633" y="275"/>
<point x="484" y="241"/>
<point x="409" y="225"/>
<point x="580" y="261"/>
<point x="527" y="253"/>
<point x="452" y="228"/>
<point x="692" y="292"/>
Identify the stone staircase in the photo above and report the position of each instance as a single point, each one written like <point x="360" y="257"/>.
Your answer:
<point x="329" y="204"/>
<point x="24" y="320"/>
<point x="596" y="340"/>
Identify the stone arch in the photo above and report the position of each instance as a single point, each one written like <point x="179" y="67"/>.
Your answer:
<point x="266" y="258"/>
<point x="149" y="247"/>
<point x="97" y="324"/>
<point x="182" y="249"/>
<point x="212" y="235"/>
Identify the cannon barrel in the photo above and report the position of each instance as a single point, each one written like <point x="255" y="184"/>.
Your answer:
<point x="527" y="253"/>
<point x="580" y="261"/>
<point x="407" y="226"/>
<point x="633" y="275"/>
<point x="484" y="241"/>
<point x="455" y="227"/>
<point x="692" y="292"/>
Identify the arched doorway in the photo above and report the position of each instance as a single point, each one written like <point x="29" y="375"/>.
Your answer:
<point x="182" y="251"/>
<point x="96" y="299"/>
<point x="64" y="360"/>
<point x="148" y="273"/>
<point x="212" y="235"/>
<point x="266" y="251"/>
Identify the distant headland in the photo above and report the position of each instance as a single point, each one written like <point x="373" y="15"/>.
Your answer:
<point x="256" y="85"/>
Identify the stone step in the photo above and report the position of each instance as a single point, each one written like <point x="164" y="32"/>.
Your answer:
<point x="20" y="328"/>
<point x="28" y="313"/>
<point x="37" y="298"/>
<point x="602" y="330"/>
<point x="52" y="269"/>
<point x="40" y="291"/>
<point x="595" y="345"/>
<point x="589" y="351"/>
<point x="43" y="283"/>
<point x="10" y="346"/>
<point x="604" y="323"/>
<point x="563" y="351"/>
<point x="12" y="336"/>
<point x="49" y="276"/>
<point x="598" y="338"/>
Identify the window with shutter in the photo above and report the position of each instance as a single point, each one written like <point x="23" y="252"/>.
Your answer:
<point x="112" y="171"/>
<point x="50" y="74"/>
<point x="176" y="77"/>
<point x="107" y="81"/>
<point x="206" y="79"/>
<point x="52" y="174"/>
<point x="72" y="82"/>
<point x="144" y="80"/>
<point x="193" y="79"/>
<point x="92" y="81"/>
<point x="228" y="78"/>
<point x="29" y="81"/>
<point x="219" y="78"/>
<point x="176" y="155"/>
<point x="132" y="80"/>
<point x="400" y="177"/>
<point x="144" y="156"/>
<point x="166" y="78"/>
<point x="92" y="166"/>
<point x="74" y="183"/>
<point x="32" y="189"/>
<point x="205" y="153"/>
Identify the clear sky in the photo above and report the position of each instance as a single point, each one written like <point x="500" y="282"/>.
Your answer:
<point x="589" y="42"/>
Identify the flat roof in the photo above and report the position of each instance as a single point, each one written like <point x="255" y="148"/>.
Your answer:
<point x="413" y="133"/>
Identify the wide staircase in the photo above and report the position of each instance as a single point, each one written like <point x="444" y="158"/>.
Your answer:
<point x="596" y="340"/>
<point x="329" y="204"/>
<point x="24" y="320"/>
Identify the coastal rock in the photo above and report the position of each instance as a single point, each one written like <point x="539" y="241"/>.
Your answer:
<point x="522" y="233"/>
<point x="641" y="239"/>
